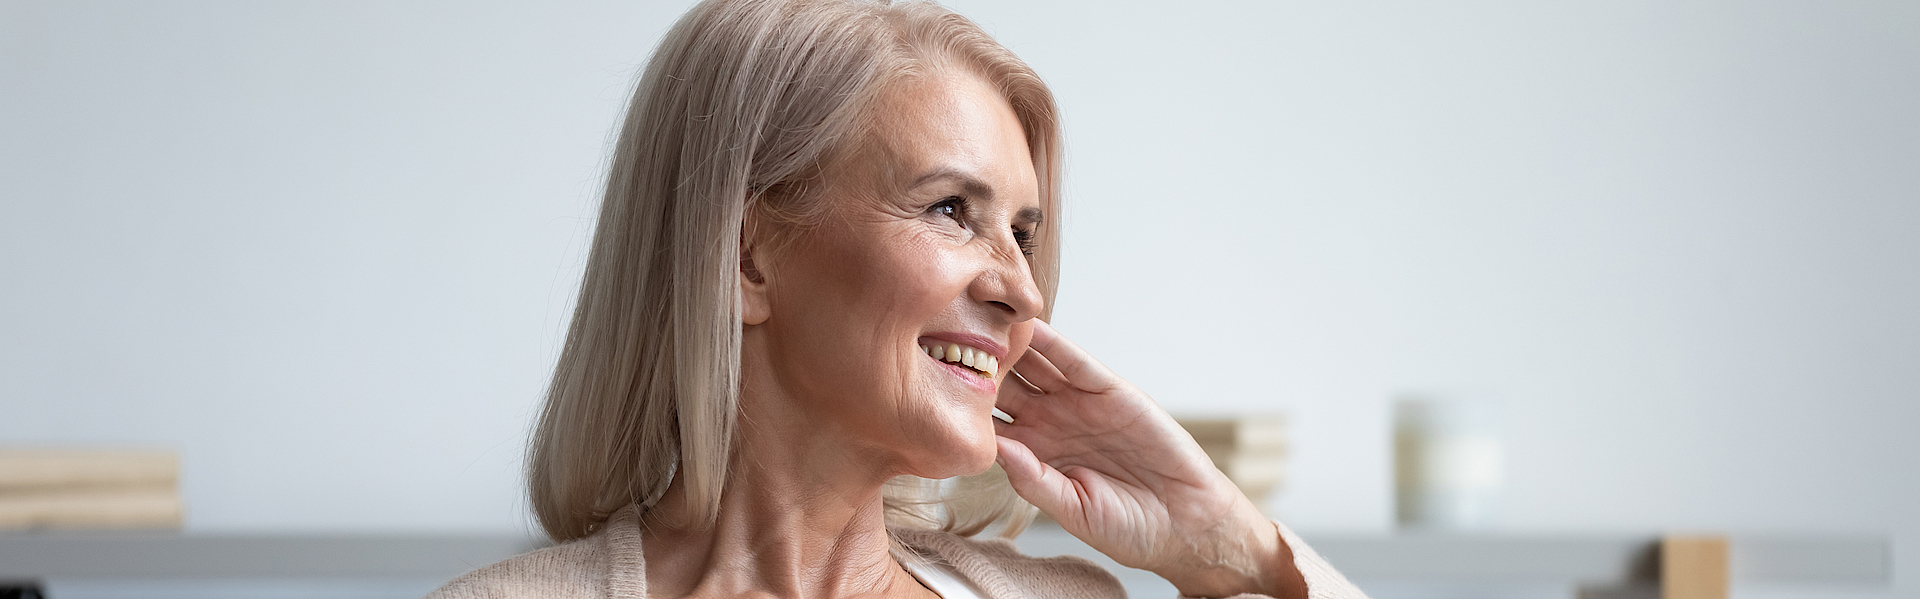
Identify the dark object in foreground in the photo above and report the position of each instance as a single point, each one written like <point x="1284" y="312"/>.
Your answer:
<point x="15" y="589"/>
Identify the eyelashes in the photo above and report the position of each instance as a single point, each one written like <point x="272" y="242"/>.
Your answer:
<point x="955" y="207"/>
<point x="1024" y="237"/>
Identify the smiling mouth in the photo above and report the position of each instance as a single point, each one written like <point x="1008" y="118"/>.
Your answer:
<point x="978" y="361"/>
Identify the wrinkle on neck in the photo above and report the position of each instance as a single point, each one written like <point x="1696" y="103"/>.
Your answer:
<point x="801" y="517"/>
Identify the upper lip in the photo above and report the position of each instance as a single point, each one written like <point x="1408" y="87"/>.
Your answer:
<point x="979" y="342"/>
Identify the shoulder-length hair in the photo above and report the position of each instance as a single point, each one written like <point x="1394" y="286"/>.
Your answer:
<point x="740" y="105"/>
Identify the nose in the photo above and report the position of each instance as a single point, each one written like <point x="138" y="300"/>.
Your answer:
<point x="1007" y="285"/>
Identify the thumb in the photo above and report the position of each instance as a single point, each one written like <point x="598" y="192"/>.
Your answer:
<point x="1035" y="481"/>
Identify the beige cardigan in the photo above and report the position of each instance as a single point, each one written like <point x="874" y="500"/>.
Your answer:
<point x="610" y="565"/>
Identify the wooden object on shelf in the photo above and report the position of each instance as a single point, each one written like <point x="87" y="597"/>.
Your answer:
<point x="116" y="508"/>
<point x="63" y="468"/>
<point x="1693" y="567"/>
<point x="89" y="489"/>
<point x="1251" y="450"/>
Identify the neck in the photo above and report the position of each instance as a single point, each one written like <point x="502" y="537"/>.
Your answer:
<point x="800" y="517"/>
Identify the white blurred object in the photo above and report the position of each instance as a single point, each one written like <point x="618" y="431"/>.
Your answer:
<point x="1448" y="462"/>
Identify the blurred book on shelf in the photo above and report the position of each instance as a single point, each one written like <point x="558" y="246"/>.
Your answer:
<point x="1251" y="450"/>
<point x="89" y="489"/>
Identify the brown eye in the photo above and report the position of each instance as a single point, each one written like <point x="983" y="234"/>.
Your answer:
<point x="950" y="207"/>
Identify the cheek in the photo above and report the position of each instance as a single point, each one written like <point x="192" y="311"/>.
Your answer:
<point x="1019" y="339"/>
<point x="897" y="276"/>
<point x="904" y="290"/>
<point x="848" y="318"/>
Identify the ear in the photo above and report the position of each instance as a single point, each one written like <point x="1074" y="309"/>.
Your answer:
<point x="755" y="304"/>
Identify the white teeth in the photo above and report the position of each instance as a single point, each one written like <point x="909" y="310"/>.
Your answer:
<point x="970" y="357"/>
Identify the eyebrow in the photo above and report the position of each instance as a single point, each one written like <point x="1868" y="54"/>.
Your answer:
<point x="969" y="184"/>
<point x="1030" y="216"/>
<point x="975" y="187"/>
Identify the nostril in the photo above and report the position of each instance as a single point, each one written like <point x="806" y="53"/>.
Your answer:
<point x="1004" y="306"/>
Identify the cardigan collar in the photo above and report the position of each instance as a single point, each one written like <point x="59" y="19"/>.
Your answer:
<point x="627" y="557"/>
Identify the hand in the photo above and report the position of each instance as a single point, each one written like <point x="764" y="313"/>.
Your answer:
<point x="1097" y="455"/>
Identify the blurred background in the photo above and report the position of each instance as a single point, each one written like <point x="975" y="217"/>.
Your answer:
<point x="326" y="251"/>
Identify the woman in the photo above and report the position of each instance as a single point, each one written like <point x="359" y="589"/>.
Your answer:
<point x="824" y="258"/>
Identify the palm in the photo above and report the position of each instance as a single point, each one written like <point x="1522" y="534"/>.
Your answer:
<point x="1096" y="454"/>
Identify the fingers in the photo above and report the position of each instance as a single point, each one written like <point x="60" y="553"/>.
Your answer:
<point x="1075" y="365"/>
<point x="1015" y="391"/>
<point x="1034" y="434"/>
<point x="1031" y="376"/>
<point x="1041" y="373"/>
<point x="1035" y="481"/>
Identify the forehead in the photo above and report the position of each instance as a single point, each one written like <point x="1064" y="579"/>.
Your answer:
<point x="950" y="122"/>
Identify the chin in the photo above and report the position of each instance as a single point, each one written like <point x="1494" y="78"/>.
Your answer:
<point x="982" y="459"/>
<point x="957" y="454"/>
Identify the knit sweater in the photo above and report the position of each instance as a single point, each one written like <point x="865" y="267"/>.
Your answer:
<point x="609" y="564"/>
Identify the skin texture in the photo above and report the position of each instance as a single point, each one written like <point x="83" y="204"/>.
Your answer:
<point x="919" y="241"/>
<point x="1100" y="457"/>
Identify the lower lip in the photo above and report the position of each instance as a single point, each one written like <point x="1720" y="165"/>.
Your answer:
<point x="970" y="376"/>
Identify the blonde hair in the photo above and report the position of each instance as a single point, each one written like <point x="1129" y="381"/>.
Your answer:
<point x="743" y="101"/>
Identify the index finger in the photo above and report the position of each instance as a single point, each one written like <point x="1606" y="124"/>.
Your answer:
<point x="1080" y="368"/>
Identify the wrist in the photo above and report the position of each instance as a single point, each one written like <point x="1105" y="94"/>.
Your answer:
<point x="1254" y="559"/>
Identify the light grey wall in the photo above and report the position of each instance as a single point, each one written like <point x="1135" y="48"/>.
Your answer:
<point x="327" y="251"/>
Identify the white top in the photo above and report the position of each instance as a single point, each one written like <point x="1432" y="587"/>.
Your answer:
<point x="943" y="579"/>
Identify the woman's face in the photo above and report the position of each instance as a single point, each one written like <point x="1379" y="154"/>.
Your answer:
<point x="921" y="247"/>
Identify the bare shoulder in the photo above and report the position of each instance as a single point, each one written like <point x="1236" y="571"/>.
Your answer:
<point x="576" y="569"/>
<point x="1003" y="571"/>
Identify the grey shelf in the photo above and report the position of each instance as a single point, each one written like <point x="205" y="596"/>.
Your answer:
<point x="1546" y="559"/>
<point x="1783" y="559"/>
<point x="1532" y="565"/>
<point x="157" y="555"/>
